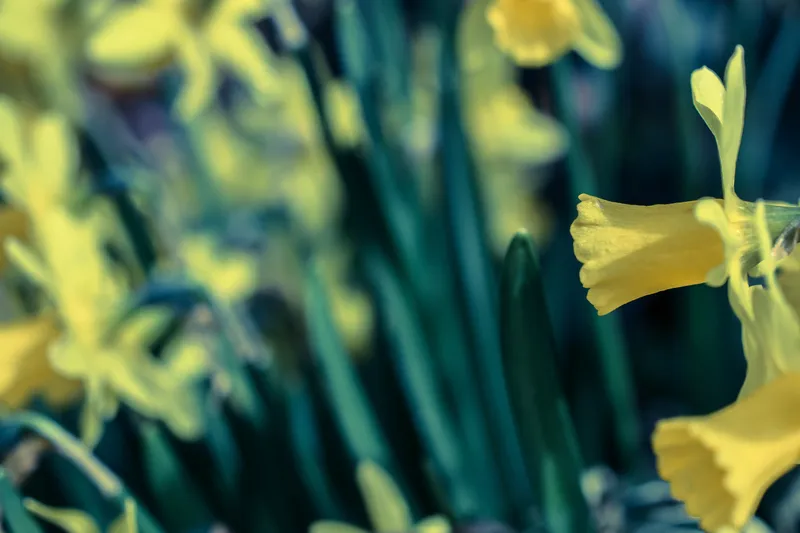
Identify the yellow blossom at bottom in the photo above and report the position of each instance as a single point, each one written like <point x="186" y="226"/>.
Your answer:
<point x="630" y="251"/>
<point x="720" y="465"/>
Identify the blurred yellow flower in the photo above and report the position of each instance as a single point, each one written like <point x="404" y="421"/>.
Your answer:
<point x="387" y="509"/>
<point x="74" y="521"/>
<point x="137" y="39"/>
<point x="538" y="32"/>
<point x="229" y="275"/>
<point x="27" y="373"/>
<point x="43" y="39"/>
<point x="631" y="251"/>
<point x="67" y="259"/>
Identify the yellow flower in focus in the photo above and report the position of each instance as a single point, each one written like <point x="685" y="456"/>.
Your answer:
<point x="387" y="509"/>
<point x="538" y="32"/>
<point x="73" y="521"/>
<point x="632" y="251"/>
<point x="138" y="39"/>
<point x="720" y="465"/>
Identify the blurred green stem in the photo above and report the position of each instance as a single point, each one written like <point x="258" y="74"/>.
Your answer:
<point x="607" y="330"/>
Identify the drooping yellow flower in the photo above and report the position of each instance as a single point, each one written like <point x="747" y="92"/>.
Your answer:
<point x="632" y="251"/>
<point x="138" y="39"/>
<point x="387" y="509"/>
<point x="538" y="32"/>
<point x="74" y="521"/>
<point x="720" y="465"/>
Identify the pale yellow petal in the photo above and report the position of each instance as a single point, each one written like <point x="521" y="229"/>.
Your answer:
<point x="732" y="123"/>
<point x="387" y="509"/>
<point x="200" y="80"/>
<point x="133" y="37"/>
<point x="708" y="95"/>
<point x="535" y="33"/>
<point x="70" y="520"/>
<point x="631" y="251"/>
<point x="720" y="465"/>
<point x="598" y="42"/>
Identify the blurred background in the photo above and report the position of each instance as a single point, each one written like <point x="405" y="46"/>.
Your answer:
<point x="315" y="201"/>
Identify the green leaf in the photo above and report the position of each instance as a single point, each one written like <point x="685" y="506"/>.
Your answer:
<point x="14" y="513"/>
<point x="334" y="527"/>
<point x="415" y="367"/>
<point x="351" y="409"/>
<point x="529" y="356"/>
<point x="467" y="233"/>
<point x="182" y="507"/>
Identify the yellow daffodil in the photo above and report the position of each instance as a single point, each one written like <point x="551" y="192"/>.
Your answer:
<point x="74" y="521"/>
<point x="387" y="509"/>
<point x="67" y="259"/>
<point x="40" y="40"/>
<point x="632" y="251"/>
<point x="139" y="38"/>
<point x="538" y="32"/>
<point x="720" y="465"/>
<point x="229" y="275"/>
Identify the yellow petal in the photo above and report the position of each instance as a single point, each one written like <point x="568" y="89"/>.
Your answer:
<point x="246" y="54"/>
<point x="720" y="465"/>
<point x="387" y="509"/>
<point x="13" y="223"/>
<point x="200" y="79"/>
<point x="326" y="526"/>
<point x="126" y="523"/>
<point x="534" y="32"/>
<point x="732" y="122"/>
<point x="70" y="520"/>
<point x="27" y="371"/>
<point x="433" y="524"/>
<point x="630" y="251"/>
<point x="133" y="37"/>
<point x="708" y="95"/>
<point x="598" y="42"/>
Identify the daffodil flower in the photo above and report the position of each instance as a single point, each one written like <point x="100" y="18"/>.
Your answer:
<point x="632" y="251"/>
<point x="67" y="259"/>
<point x="74" y="521"/>
<point x="44" y="37"/>
<point x="539" y="32"/>
<point x="720" y="465"/>
<point x="138" y="39"/>
<point x="387" y="509"/>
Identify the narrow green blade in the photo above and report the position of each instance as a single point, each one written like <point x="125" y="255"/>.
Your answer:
<point x="14" y="512"/>
<point x="529" y="356"/>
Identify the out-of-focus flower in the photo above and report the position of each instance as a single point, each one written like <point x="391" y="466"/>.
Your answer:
<point x="74" y="521"/>
<point x="538" y="32"/>
<point x="138" y="39"/>
<point x="40" y="48"/>
<point x="632" y="251"/>
<point x="387" y="509"/>
<point x="67" y="259"/>
<point x="228" y="274"/>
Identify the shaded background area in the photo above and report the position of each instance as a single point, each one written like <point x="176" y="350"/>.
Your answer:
<point x="380" y="295"/>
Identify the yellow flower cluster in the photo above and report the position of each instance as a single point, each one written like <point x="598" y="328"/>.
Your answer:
<point x="76" y="333"/>
<point x="720" y="464"/>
